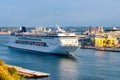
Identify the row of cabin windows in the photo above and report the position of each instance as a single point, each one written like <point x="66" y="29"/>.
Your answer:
<point x="70" y="41"/>
<point x="31" y="43"/>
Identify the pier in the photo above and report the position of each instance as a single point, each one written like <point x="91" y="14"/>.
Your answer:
<point x="29" y="73"/>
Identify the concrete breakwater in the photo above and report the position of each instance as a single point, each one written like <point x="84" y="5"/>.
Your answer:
<point x="29" y="73"/>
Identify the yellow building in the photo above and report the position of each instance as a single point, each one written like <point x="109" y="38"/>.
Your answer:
<point x="105" y="42"/>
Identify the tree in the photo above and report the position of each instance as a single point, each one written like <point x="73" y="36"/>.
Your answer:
<point x="8" y="73"/>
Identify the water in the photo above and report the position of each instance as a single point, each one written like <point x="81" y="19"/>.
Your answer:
<point x="86" y="64"/>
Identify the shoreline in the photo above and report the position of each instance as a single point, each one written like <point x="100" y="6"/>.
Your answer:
<point x="4" y="32"/>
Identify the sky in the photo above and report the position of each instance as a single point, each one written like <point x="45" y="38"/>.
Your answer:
<point x="62" y="12"/>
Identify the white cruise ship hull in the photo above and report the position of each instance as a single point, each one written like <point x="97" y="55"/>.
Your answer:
<point x="64" y="50"/>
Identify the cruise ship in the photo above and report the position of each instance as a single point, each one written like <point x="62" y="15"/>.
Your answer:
<point x="53" y="42"/>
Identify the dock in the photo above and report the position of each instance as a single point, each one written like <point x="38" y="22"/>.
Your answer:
<point x="112" y="49"/>
<point x="87" y="47"/>
<point x="29" y="73"/>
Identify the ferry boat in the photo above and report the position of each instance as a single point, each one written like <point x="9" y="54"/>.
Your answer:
<point x="58" y="42"/>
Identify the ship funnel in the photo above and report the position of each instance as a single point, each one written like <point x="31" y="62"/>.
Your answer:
<point x="22" y="29"/>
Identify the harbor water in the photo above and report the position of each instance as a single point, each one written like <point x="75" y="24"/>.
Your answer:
<point x="86" y="64"/>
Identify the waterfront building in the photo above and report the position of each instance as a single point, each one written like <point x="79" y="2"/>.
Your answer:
<point x="106" y="42"/>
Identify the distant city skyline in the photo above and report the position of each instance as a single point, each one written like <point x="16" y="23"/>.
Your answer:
<point x="61" y="12"/>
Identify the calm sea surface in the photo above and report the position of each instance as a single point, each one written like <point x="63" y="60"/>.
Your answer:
<point x="86" y="64"/>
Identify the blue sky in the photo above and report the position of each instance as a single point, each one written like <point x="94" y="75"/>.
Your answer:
<point x="62" y="12"/>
